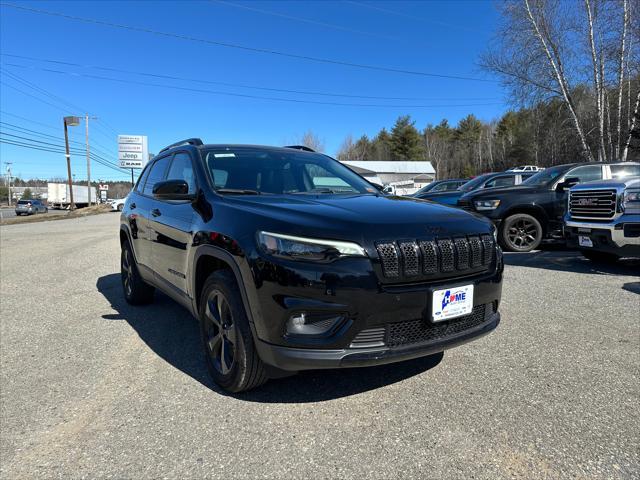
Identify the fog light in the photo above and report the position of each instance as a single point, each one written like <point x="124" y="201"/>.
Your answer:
<point x="312" y="323"/>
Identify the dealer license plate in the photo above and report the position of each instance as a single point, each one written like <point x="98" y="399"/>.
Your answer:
<point x="451" y="303"/>
<point x="584" y="241"/>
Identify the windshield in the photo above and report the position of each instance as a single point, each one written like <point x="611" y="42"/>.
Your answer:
<point x="545" y="177"/>
<point x="256" y="171"/>
<point x="24" y="202"/>
<point x="475" y="183"/>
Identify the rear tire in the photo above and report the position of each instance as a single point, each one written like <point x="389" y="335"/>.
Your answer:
<point x="599" y="257"/>
<point x="136" y="291"/>
<point x="520" y="233"/>
<point x="230" y="353"/>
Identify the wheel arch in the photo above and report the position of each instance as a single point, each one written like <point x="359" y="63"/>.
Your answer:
<point x="209" y="259"/>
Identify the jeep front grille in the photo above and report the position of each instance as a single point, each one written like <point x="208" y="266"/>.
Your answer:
<point x="593" y="204"/>
<point x="432" y="258"/>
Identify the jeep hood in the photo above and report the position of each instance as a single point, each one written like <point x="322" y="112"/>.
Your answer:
<point x="350" y="216"/>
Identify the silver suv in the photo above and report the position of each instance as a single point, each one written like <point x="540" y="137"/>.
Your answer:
<point x="30" y="207"/>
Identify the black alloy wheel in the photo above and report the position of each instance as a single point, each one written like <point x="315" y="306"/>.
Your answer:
<point x="126" y="272"/>
<point x="521" y="233"/>
<point x="229" y="347"/>
<point x="136" y="290"/>
<point x="220" y="332"/>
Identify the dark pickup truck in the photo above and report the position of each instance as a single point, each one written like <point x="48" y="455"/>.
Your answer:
<point x="529" y="213"/>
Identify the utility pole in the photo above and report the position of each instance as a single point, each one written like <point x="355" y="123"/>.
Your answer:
<point x="73" y="121"/>
<point x="86" y="120"/>
<point x="9" y="175"/>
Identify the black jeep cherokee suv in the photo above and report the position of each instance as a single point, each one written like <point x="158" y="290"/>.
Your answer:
<point x="290" y="261"/>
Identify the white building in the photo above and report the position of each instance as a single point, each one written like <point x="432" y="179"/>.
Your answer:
<point x="405" y="177"/>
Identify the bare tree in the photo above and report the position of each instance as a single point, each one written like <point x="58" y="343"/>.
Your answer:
<point x="634" y="124"/>
<point x="553" y="49"/>
<point x="313" y="141"/>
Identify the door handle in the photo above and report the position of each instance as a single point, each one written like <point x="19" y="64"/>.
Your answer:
<point x="155" y="212"/>
<point x="132" y="206"/>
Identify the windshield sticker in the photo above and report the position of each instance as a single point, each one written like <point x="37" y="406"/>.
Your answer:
<point x="223" y="155"/>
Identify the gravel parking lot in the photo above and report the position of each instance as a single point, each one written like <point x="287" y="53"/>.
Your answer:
<point x="91" y="387"/>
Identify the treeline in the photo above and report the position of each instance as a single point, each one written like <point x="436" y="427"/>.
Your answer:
<point x="542" y="135"/>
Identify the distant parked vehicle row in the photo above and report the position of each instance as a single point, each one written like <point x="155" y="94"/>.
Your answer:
<point x="527" y="214"/>
<point x="526" y="168"/>
<point x="487" y="180"/>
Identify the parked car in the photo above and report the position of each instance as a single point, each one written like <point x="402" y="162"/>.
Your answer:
<point x="488" y="180"/>
<point x="603" y="219"/>
<point x="285" y="274"/>
<point x="533" y="211"/>
<point x="118" y="204"/>
<point x="526" y="168"/>
<point x="441" y="186"/>
<point x="30" y="207"/>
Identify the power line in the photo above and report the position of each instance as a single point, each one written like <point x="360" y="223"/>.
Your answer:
<point x="57" y="145"/>
<point x="243" y="47"/>
<point x="243" y="95"/>
<point x="235" y="85"/>
<point x="304" y="20"/>
<point x="412" y="17"/>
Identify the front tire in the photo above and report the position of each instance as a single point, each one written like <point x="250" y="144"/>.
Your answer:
<point x="521" y="233"/>
<point x="231" y="356"/>
<point x="120" y="207"/>
<point x="136" y="291"/>
<point x="599" y="257"/>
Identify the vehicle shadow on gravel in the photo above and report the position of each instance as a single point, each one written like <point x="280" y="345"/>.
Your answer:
<point x="171" y="332"/>
<point x="560" y="259"/>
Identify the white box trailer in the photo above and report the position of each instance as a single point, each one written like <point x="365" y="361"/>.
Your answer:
<point x="58" y="195"/>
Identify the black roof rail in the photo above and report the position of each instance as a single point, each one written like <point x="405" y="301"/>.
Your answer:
<point x="300" y="147"/>
<point x="188" y="141"/>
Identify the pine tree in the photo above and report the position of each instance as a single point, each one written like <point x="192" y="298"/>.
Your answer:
<point x="406" y="141"/>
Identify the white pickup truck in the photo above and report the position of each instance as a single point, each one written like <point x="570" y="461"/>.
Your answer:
<point x="603" y="219"/>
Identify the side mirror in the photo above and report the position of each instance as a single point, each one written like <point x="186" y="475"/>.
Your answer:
<point x="172" y="190"/>
<point x="567" y="184"/>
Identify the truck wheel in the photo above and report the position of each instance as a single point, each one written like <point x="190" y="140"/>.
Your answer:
<point x="231" y="357"/>
<point x="521" y="233"/>
<point x="136" y="290"/>
<point x="599" y="257"/>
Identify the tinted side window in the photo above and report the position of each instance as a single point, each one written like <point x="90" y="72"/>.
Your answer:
<point x="587" y="173"/>
<point x="440" y="188"/>
<point x="505" y="181"/>
<point x="156" y="174"/>
<point x="182" y="169"/>
<point x="142" y="178"/>
<point x="623" y="171"/>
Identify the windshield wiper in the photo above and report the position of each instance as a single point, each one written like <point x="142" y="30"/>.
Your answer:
<point x="238" y="191"/>
<point x="316" y="191"/>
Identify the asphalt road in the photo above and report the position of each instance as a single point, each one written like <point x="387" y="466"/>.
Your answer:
<point x="11" y="212"/>
<point x="91" y="387"/>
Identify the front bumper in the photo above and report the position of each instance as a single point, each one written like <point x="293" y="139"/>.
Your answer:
<point x="295" y="359"/>
<point x="620" y="236"/>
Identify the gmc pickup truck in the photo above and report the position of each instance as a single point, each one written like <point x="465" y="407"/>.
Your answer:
<point x="603" y="219"/>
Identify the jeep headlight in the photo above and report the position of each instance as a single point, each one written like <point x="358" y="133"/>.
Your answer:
<point x="486" y="204"/>
<point x="631" y="199"/>
<point x="309" y="249"/>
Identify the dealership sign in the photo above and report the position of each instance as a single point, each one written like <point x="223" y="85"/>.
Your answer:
<point x="133" y="151"/>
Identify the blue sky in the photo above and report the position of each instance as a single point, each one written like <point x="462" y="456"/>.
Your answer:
<point x="439" y="37"/>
